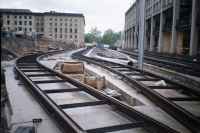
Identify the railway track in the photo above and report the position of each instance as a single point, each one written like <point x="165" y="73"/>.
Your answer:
<point x="144" y="82"/>
<point x="179" y="65"/>
<point x="55" y="92"/>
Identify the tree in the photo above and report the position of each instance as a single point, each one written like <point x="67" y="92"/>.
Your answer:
<point x="109" y="37"/>
<point x="93" y="35"/>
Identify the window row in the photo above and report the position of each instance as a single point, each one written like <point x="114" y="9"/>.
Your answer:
<point x="23" y="29"/>
<point x="20" y="17"/>
<point x="62" y="24"/>
<point x="20" y="22"/>
<point x="61" y="30"/>
<point x="61" y="36"/>
<point x="62" y="19"/>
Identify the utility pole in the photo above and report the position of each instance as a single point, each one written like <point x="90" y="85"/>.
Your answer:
<point x="141" y="34"/>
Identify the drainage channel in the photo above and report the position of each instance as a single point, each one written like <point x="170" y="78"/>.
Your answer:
<point x="144" y="81"/>
<point x="77" y="107"/>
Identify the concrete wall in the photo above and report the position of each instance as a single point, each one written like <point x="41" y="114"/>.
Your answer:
<point x="167" y="42"/>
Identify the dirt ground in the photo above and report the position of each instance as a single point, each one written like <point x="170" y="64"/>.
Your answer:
<point x="12" y="47"/>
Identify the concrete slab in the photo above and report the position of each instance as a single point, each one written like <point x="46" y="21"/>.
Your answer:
<point x="24" y="106"/>
<point x="106" y="117"/>
<point x="72" y="97"/>
<point x="161" y="116"/>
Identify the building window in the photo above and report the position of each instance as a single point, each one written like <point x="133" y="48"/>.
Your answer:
<point x="60" y="19"/>
<point x="20" y="22"/>
<point x="42" y="24"/>
<point x="50" y="19"/>
<point x="55" y="19"/>
<point x="30" y="22"/>
<point x="70" y="36"/>
<point x="70" y="24"/>
<point x="70" y="20"/>
<point x="19" y="28"/>
<point x="50" y="24"/>
<point x="15" y="22"/>
<point x="60" y="24"/>
<point x="55" y="29"/>
<point x="75" y="36"/>
<point x="41" y="29"/>
<point x="60" y="36"/>
<point x="66" y="24"/>
<point x="30" y="29"/>
<point x="30" y="17"/>
<point x="50" y="29"/>
<point x="25" y="29"/>
<point x="15" y="28"/>
<point x="55" y="24"/>
<point x="65" y="37"/>
<point x="25" y="22"/>
<point x="65" y="20"/>
<point x="75" y="20"/>
<point x="24" y="17"/>
<point x="41" y="19"/>
<point x="50" y="34"/>
<point x="55" y="35"/>
<point x="15" y="16"/>
<point x="65" y="30"/>
<point x="75" y="30"/>
<point x="37" y="29"/>
<point x="20" y="17"/>
<point x="8" y="22"/>
<point x="37" y="19"/>
<point x="60" y="30"/>
<point x="75" y="25"/>
<point x="8" y="16"/>
<point x="70" y="30"/>
<point x="37" y="24"/>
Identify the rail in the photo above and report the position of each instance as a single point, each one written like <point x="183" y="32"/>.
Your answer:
<point x="24" y="65"/>
<point x="166" y="103"/>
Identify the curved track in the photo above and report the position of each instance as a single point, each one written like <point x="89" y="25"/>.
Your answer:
<point x="144" y="81"/>
<point x="179" y="65"/>
<point x="38" y="78"/>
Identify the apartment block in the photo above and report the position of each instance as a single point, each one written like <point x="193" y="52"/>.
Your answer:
<point x="68" y="27"/>
<point x="171" y="26"/>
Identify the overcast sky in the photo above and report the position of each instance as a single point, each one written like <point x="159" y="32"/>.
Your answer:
<point x="104" y="14"/>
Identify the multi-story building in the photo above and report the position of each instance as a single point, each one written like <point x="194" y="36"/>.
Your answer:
<point x="67" y="27"/>
<point x="172" y="26"/>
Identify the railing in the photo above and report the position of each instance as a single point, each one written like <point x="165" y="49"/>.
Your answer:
<point x="183" y="22"/>
<point x="167" y="26"/>
<point x="156" y="29"/>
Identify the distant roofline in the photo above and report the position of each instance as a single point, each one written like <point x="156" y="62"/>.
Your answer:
<point x="28" y="12"/>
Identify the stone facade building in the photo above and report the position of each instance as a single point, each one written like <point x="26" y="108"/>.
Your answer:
<point x="68" y="27"/>
<point x="171" y="26"/>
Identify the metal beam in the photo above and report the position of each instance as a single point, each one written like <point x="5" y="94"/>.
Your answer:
<point x="118" y="127"/>
<point x="34" y="70"/>
<point x="147" y="79"/>
<point x="39" y="75"/>
<point x="64" y="90"/>
<point x="164" y="87"/>
<point x="75" y="105"/>
<point x="51" y="81"/>
<point x="183" y="99"/>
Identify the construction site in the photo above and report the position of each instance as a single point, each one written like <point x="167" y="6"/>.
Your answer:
<point x="92" y="89"/>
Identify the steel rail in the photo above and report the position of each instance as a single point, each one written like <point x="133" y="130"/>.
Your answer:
<point x="61" y="118"/>
<point x="169" y="63"/>
<point x="185" y="117"/>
